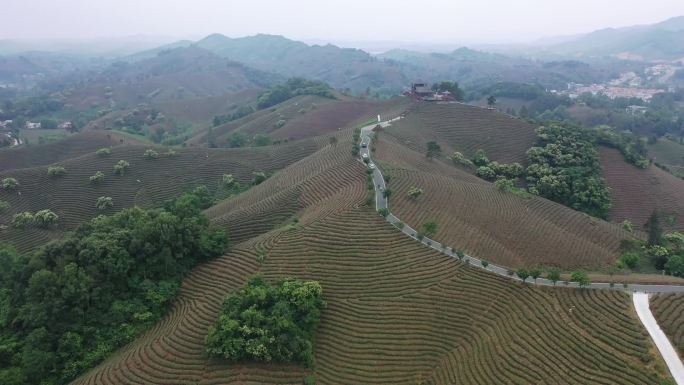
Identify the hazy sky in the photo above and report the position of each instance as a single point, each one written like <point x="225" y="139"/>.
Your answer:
<point x="348" y="20"/>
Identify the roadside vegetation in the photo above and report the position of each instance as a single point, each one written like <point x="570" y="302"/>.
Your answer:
<point x="662" y="251"/>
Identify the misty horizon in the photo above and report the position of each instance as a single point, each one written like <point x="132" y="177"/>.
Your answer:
<point x="352" y="22"/>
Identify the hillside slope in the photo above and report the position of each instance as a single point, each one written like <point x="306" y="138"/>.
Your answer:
<point x="635" y="193"/>
<point x="146" y="183"/>
<point x="465" y="128"/>
<point x="503" y="228"/>
<point x="398" y="313"/>
<point x="70" y="147"/>
<point x="181" y="73"/>
<point x="303" y="116"/>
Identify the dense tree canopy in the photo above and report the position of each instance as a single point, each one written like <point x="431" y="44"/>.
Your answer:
<point x="66" y="306"/>
<point x="291" y="88"/>
<point x="452" y="87"/>
<point x="268" y="322"/>
<point x="565" y="168"/>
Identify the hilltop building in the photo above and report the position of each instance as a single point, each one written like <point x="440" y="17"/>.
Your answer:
<point x="421" y="90"/>
<point x="32" y="125"/>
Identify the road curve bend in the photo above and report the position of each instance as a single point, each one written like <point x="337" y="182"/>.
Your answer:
<point x="674" y="363"/>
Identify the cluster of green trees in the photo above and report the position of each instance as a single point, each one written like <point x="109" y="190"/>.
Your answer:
<point x="21" y="109"/>
<point x="452" y="87"/>
<point x="664" y="251"/>
<point x="66" y="306"/>
<point x="553" y="275"/>
<point x="356" y="140"/>
<point x="663" y="115"/>
<point x="241" y="112"/>
<point x="630" y="145"/>
<point x="240" y="139"/>
<point x="565" y="168"/>
<point x="268" y="322"/>
<point x="42" y="218"/>
<point x="291" y="88"/>
<point x="537" y="99"/>
<point x="493" y="170"/>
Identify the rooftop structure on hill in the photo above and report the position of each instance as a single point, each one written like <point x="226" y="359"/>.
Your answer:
<point x="421" y="90"/>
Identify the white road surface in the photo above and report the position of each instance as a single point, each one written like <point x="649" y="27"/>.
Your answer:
<point x="674" y="363"/>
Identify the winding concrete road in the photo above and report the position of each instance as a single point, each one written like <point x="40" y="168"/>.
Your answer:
<point x="381" y="202"/>
<point x="661" y="341"/>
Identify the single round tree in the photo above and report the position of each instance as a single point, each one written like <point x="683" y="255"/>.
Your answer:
<point x="45" y="218"/>
<point x="120" y="167"/>
<point x="258" y="177"/>
<point x="97" y="178"/>
<point x="151" y="154"/>
<point x="10" y="184"/>
<point x="56" y="171"/>
<point x="415" y="192"/>
<point x="553" y="275"/>
<point x="535" y="273"/>
<point x="103" y="152"/>
<point x="22" y="220"/>
<point x="429" y="228"/>
<point x="228" y="181"/>
<point x="522" y="274"/>
<point x="581" y="278"/>
<point x="103" y="203"/>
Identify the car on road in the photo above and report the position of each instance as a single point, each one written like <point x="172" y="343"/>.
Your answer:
<point x="364" y="145"/>
<point x="364" y="156"/>
<point x="371" y="166"/>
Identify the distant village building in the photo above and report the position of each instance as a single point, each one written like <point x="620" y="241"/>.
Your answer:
<point x="421" y="90"/>
<point x="66" y="125"/>
<point x="32" y="125"/>
<point x="5" y="123"/>
<point x="634" y="110"/>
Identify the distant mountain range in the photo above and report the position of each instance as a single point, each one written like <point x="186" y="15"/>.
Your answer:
<point x="661" y="41"/>
<point x="218" y="63"/>
<point x="390" y="72"/>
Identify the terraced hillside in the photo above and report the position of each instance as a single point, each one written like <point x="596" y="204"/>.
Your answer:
<point x="146" y="182"/>
<point x="465" y="128"/>
<point x="303" y="117"/>
<point x="192" y="112"/>
<point x="398" y="313"/>
<point x="70" y="147"/>
<point x="669" y="153"/>
<point x="319" y="185"/>
<point x="635" y="193"/>
<point x="668" y="309"/>
<point x="504" y="228"/>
